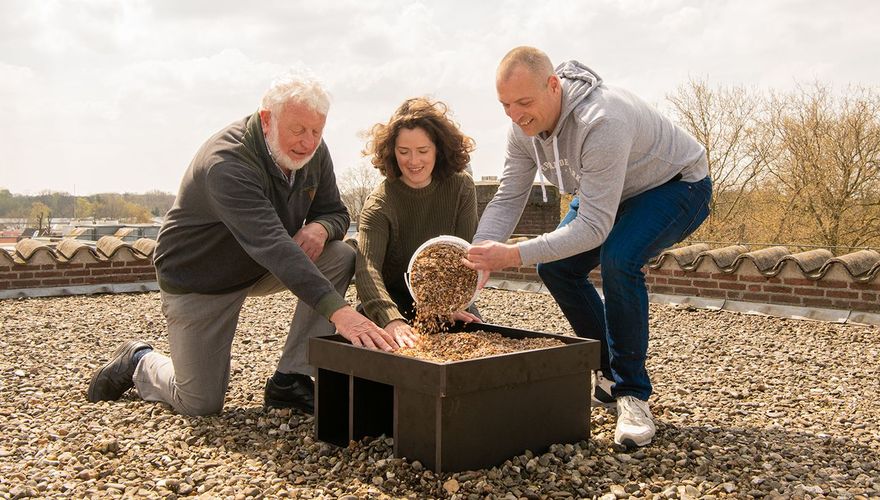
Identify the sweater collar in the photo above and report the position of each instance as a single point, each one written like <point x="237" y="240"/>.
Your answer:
<point x="401" y="186"/>
<point x="255" y="141"/>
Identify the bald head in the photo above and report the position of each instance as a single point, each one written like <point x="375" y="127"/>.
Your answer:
<point x="533" y="61"/>
<point x="529" y="90"/>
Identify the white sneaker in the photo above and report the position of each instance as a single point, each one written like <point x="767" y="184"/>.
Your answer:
<point x="601" y="395"/>
<point x="635" y="425"/>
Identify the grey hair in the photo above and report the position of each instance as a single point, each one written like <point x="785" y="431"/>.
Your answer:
<point x="296" y="85"/>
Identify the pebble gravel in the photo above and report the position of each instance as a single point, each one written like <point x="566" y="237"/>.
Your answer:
<point x="746" y="407"/>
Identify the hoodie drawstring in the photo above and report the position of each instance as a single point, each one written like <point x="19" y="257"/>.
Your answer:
<point x="558" y="169"/>
<point x="541" y="173"/>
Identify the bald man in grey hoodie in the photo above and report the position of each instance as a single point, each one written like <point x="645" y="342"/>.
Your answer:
<point x="641" y="185"/>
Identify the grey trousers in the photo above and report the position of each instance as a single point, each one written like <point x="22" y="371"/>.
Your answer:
<point x="200" y="331"/>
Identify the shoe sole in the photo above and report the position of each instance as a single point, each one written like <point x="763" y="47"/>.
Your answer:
<point x="629" y="443"/>
<point x="125" y="349"/>
<point x="597" y="403"/>
<point x="280" y="405"/>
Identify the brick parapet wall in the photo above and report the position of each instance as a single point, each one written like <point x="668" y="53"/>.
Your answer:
<point x="538" y="217"/>
<point x="37" y="264"/>
<point x="834" y="291"/>
<point x="61" y="274"/>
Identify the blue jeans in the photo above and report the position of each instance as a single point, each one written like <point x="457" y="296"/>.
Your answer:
<point x="646" y="224"/>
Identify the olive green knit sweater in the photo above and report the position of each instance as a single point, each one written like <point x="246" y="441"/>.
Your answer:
<point x="396" y="219"/>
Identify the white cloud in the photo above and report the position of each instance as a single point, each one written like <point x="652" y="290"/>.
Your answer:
<point x="13" y="78"/>
<point x="113" y="95"/>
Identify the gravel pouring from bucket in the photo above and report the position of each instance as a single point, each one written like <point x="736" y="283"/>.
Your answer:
<point x="437" y="279"/>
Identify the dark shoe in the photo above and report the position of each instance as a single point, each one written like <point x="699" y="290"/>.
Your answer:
<point x="602" y="391"/>
<point x="111" y="381"/>
<point x="300" y="394"/>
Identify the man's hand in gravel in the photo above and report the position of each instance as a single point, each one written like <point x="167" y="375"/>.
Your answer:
<point x="362" y="332"/>
<point x="402" y="332"/>
<point x="466" y="317"/>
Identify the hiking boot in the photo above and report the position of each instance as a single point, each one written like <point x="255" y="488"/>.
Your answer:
<point x="635" y="425"/>
<point x="601" y="395"/>
<point x="300" y="394"/>
<point x="111" y="381"/>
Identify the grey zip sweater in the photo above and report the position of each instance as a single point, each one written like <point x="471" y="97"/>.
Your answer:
<point x="607" y="146"/>
<point x="235" y="215"/>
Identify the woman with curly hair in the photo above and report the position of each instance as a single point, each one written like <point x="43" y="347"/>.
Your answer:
<point x="427" y="192"/>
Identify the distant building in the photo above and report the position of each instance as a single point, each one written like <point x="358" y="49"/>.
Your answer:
<point x="125" y="232"/>
<point x="9" y="236"/>
<point x="28" y="232"/>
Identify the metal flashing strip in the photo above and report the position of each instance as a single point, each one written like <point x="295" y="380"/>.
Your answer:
<point x="777" y="310"/>
<point x="864" y="318"/>
<point x="517" y="285"/>
<point x="523" y="286"/>
<point x="146" y="286"/>
<point x="685" y="300"/>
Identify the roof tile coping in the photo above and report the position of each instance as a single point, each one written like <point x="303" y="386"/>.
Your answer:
<point x="726" y="258"/>
<point x="810" y="262"/>
<point x="767" y="260"/>
<point x="73" y="250"/>
<point x="113" y="248"/>
<point x="685" y="257"/>
<point x="145" y="246"/>
<point x="861" y="266"/>
<point x="36" y="252"/>
<point x="6" y="259"/>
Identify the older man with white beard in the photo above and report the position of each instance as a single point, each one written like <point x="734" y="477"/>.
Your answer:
<point x="258" y="212"/>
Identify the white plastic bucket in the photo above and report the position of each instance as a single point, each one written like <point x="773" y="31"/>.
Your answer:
<point x="447" y="239"/>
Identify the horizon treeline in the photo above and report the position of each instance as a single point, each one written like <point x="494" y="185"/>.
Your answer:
<point x="39" y="210"/>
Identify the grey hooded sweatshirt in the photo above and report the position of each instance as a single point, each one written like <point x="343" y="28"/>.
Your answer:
<point x="607" y="146"/>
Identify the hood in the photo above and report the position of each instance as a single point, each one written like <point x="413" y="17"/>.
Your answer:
<point x="578" y="81"/>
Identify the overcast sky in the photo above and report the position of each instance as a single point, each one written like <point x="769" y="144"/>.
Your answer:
<point x="117" y="95"/>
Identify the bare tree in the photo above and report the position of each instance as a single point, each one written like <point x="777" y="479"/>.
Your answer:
<point x="355" y="185"/>
<point x="728" y="122"/>
<point x="829" y="162"/>
<point x="40" y="217"/>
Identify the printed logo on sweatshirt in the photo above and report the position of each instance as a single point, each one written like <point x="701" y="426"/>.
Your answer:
<point x="563" y="162"/>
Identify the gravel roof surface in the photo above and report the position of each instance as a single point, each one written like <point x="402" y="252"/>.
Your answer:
<point x="745" y="406"/>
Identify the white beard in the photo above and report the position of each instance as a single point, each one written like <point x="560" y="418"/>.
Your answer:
<point x="280" y="157"/>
